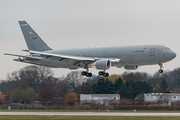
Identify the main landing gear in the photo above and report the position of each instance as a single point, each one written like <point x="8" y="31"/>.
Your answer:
<point x="103" y="73"/>
<point x="87" y="74"/>
<point x="161" y="66"/>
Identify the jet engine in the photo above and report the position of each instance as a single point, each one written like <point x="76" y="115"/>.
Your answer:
<point x="103" y="64"/>
<point x="131" y="67"/>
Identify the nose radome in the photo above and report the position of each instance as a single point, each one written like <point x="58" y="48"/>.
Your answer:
<point x="173" y="54"/>
<point x="170" y="55"/>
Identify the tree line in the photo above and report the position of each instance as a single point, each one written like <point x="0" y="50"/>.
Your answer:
<point x="36" y="83"/>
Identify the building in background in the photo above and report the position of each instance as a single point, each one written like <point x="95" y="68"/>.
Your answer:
<point x="100" y="98"/>
<point x="161" y="97"/>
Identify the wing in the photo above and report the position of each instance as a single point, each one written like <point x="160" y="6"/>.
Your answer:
<point x="77" y="60"/>
<point x="24" y="56"/>
<point x="70" y="57"/>
<point x="59" y="56"/>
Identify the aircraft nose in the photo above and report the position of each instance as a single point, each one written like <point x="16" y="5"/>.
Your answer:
<point x="170" y="55"/>
<point x="173" y="55"/>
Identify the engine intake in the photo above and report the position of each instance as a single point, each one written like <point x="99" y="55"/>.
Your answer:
<point x="131" y="67"/>
<point x="103" y="64"/>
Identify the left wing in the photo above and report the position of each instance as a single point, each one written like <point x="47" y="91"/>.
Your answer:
<point x="36" y="56"/>
<point x="59" y="56"/>
<point x="71" y="57"/>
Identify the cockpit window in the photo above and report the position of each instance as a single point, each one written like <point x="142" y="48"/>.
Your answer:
<point x="166" y="50"/>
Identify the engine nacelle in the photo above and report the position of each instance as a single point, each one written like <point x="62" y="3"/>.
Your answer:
<point x="103" y="64"/>
<point x="131" y="67"/>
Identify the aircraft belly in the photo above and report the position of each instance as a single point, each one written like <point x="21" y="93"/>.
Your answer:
<point x="136" y="59"/>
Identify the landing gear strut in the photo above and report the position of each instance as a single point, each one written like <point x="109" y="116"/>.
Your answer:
<point x="161" y="66"/>
<point x="103" y="73"/>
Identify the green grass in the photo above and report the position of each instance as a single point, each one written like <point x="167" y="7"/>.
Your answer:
<point x="83" y="118"/>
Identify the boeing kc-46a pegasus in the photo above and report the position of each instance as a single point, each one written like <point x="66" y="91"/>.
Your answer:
<point x="102" y="58"/>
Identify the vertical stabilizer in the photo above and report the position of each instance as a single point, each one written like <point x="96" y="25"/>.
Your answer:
<point x="33" y="41"/>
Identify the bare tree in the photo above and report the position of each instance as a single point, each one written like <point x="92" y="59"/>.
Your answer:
<point x="85" y="88"/>
<point x="61" y="88"/>
<point x="14" y="76"/>
<point x="92" y="80"/>
<point x="75" y="79"/>
<point x="172" y="78"/>
<point x="33" y="76"/>
<point x="174" y="81"/>
<point x="155" y="79"/>
<point x="46" y="94"/>
<point x="136" y="76"/>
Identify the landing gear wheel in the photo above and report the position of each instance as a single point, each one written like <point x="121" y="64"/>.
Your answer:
<point x="87" y="74"/>
<point x="103" y="74"/>
<point x="84" y="73"/>
<point x="106" y="74"/>
<point x="160" y="70"/>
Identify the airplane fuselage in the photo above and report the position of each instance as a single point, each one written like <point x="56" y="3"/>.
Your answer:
<point x="128" y="55"/>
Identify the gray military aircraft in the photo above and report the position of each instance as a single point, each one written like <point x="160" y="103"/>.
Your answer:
<point x="129" y="57"/>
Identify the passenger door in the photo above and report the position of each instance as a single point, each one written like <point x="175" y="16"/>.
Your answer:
<point x="152" y="52"/>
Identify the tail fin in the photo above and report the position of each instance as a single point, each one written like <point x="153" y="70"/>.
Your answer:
<point x="33" y="41"/>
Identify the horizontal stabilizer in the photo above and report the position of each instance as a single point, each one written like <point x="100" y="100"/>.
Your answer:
<point x="30" y="57"/>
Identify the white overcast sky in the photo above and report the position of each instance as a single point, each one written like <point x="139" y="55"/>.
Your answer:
<point x="82" y="23"/>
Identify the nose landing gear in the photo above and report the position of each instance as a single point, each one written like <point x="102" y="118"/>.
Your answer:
<point x="160" y="70"/>
<point x="161" y="66"/>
